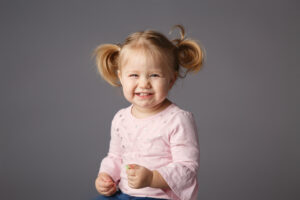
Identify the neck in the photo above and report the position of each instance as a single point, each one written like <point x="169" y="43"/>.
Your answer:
<point x="146" y="112"/>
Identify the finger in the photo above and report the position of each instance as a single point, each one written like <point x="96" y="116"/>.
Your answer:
<point x="130" y="172"/>
<point x="101" y="190"/>
<point x="106" y="184"/>
<point x="106" y="178"/>
<point x="131" y="178"/>
<point x="112" y="190"/>
<point x="127" y="172"/>
<point x="131" y="184"/>
<point x="101" y="182"/>
<point x="106" y="189"/>
<point x="132" y="166"/>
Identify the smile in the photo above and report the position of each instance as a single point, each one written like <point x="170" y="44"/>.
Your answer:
<point x="142" y="94"/>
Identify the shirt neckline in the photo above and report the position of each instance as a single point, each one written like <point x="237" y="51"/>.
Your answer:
<point x="149" y="117"/>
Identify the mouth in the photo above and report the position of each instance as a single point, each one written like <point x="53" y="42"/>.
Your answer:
<point x="143" y="94"/>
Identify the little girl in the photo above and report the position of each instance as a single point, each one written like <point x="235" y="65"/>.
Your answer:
<point x="154" y="150"/>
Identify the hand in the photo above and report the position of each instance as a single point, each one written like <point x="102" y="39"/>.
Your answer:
<point x="139" y="176"/>
<point x="105" y="184"/>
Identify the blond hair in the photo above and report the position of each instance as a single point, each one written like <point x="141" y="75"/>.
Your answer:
<point x="183" y="55"/>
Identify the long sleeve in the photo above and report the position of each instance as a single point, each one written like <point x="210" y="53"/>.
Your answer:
<point x="111" y="164"/>
<point x="181" y="173"/>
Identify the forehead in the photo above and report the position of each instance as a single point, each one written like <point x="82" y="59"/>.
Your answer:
<point x="134" y="59"/>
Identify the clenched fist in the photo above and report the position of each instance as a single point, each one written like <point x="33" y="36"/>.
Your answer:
<point x="105" y="184"/>
<point x="139" y="176"/>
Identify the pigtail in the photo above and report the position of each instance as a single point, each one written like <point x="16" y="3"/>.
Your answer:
<point x="189" y="53"/>
<point x="107" y="56"/>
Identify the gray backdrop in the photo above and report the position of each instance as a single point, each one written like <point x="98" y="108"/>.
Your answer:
<point x="55" y="110"/>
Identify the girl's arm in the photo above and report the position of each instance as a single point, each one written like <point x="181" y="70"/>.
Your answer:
<point x="140" y="177"/>
<point x="181" y="174"/>
<point x="158" y="181"/>
<point x="111" y="164"/>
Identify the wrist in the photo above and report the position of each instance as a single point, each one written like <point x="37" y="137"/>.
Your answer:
<point x="151" y="178"/>
<point x="158" y="181"/>
<point x="154" y="179"/>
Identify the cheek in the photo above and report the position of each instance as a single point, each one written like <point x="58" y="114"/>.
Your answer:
<point x="128" y="88"/>
<point x="127" y="94"/>
<point x="163" y="87"/>
<point x="166" y="90"/>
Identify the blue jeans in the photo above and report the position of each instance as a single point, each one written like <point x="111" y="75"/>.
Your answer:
<point x="122" y="196"/>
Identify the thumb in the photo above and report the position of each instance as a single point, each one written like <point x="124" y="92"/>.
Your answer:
<point x="133" y="166"/>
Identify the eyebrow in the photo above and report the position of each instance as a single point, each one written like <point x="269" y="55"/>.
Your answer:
<point x="131" y="71"/>
<point x="136" y="71"/>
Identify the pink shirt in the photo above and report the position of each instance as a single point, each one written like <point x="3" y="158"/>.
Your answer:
<point x="166" y="142"/>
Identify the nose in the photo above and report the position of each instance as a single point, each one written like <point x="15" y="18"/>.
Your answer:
<point x="144" y="82"/>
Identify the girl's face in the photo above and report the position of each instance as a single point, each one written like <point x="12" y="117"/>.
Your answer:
<point x="145" y="83"/>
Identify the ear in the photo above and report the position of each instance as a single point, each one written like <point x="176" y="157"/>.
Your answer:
<point x="172" y="80"/>
<point x="120" y="76"/>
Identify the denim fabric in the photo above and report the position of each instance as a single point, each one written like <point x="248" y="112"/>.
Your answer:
<point x="122" y="196"/>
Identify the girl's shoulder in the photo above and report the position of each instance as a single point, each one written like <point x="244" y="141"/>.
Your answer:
<point x="179" y="111"/>
<point x="121" y="114"/>
<point x="179" y="121"/>
<point x="178" y="114"/>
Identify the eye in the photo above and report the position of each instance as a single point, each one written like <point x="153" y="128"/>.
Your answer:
<point x="154" y="75"/>
<point x="133" y="75"/>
